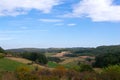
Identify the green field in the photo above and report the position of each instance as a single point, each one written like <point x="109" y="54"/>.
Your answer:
<point x="9" y="65"/>
<point x="52" y="64"/>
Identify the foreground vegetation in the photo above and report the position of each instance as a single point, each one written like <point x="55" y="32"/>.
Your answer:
<point x="61" y="73"/>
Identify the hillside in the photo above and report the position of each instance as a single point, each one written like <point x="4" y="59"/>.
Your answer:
<point x="24" y="61"/>
<point x="9" y="65"/>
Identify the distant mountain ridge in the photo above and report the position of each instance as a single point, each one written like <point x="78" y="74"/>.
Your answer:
<point x="75" y="50"/>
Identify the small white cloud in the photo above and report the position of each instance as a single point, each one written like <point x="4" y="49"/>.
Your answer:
<point x="17" y="7"/>
<point x="97" y="10"/>
<point x="50" y="20"/>
<point x="59" y="24"/>
<point x="71" y="24"/>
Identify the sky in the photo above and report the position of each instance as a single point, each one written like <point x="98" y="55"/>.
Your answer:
<point x="59" y="23"/>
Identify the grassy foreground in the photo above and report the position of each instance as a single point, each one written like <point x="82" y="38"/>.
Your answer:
<point x="9" y="65"/>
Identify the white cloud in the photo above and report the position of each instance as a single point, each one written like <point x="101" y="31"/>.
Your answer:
<point x="50" y="20"/>
<point x="17" y="7"/>
<point x="71" y="24"/>
<point x="59" y="24"/>
<point x="97" y="10"/>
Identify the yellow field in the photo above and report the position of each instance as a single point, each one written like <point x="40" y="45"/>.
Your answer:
<point x="74" y="59"/>
<point x="25" y="61"/>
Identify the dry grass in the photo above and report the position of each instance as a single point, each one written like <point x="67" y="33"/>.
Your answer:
<point x="22" y="60"/>
<point x="74" y="59"/>
<point x="71" y="59"/>
<point x="9" y="76"/>
<point x="25" y="61"/>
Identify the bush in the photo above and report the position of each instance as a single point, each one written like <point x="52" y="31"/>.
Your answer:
<point x="2" y="55"/>
<point x="83" y="68"/>
<point x="59" y="71"/>
<point x="37" y="57"/>
<point x="42" y="59"/>
<point x="24" y="73"/>
<point x="54" y="59"/>
<point x="111" y="73"/>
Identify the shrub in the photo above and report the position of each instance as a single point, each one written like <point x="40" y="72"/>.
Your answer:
<point x="59" y="71"/>
<point x="24" y="73"/>
<point x="111" y="73"/>
<point x="54" y="59"/>
<point x="2" y="55"/>
<point x="83" y="68"/>
<point x="37" y="57"/>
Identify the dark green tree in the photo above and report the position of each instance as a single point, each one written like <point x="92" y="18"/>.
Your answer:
<point x="54" y="59"/>
<point x="2" y="50"/>
<point x="42" y="59"/>
<point x="37" y="57"/>
<point x="107" y="59"/>
<point x="34" y="56"/>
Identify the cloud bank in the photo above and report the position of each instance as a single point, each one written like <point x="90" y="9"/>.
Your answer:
<point x="97" y="10"/>
<point x="71" y="24"/>
<point x="17" y="7"/>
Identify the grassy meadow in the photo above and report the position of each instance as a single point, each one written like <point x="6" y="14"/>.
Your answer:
<point x="9" y="65"/>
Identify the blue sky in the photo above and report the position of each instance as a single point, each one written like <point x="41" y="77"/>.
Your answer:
<point x="59" y="23"/>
